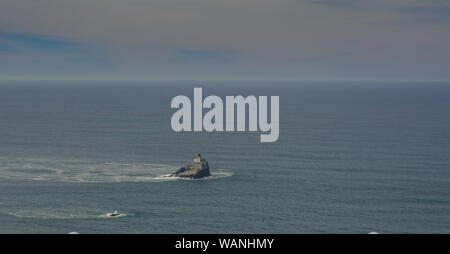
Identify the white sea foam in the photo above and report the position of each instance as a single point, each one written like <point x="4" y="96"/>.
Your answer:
<point x="216" y="175"/>
<point x="108" y="215"/>
<point x="90" y="171"/>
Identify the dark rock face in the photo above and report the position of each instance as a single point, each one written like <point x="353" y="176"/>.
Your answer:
<point x="198" y="168"/>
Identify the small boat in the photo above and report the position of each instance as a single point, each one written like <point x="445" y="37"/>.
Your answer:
<point x="115" y="213"/>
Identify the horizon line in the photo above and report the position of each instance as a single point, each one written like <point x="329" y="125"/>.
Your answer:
<point x="230" y="79"/>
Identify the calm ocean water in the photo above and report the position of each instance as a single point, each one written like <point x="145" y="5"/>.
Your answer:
<point x="351" y="158"/>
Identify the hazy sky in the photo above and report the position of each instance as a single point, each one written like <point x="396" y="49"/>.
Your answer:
<point x="225" y="39"/>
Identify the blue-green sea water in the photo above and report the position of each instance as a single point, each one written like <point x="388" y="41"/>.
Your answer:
<point x="352" y="157"/>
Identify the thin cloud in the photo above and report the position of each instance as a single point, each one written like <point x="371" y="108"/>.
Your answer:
<point x="43" y="43"/>
<point x="199" y="54"/>
<point x="433" y="10"/>
<point x="339" y="3"/>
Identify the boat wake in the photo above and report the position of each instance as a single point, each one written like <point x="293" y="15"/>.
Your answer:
<point x="34" y="213"/>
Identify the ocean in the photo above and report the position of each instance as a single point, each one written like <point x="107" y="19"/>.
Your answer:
<point x="352" y="157"/>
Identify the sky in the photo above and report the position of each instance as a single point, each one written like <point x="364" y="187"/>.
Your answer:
<point x="225" y="39"/>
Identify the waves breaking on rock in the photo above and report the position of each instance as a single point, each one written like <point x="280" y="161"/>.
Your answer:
<point x="81" y="171"/>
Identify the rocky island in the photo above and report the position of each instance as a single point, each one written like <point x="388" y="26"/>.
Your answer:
<point x="198" y="168"/>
